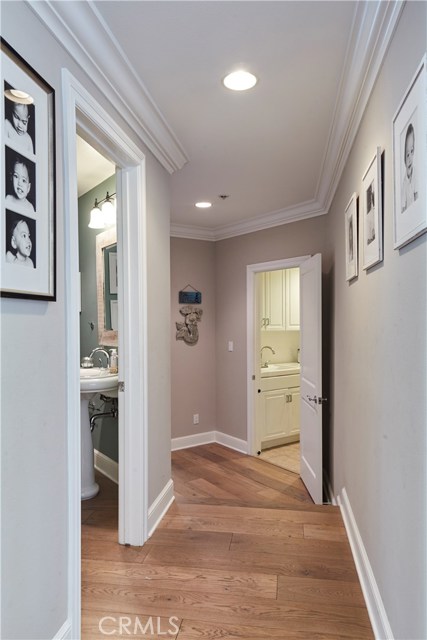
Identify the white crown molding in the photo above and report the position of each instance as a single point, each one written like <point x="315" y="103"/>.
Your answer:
<point x="373" y="27"/>
<point x="80" y="30"/>
<point x="259" y="223"/>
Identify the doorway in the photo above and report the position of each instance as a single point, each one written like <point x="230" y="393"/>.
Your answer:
<point x="287" y="400"/>
<point x="277" y="415"/>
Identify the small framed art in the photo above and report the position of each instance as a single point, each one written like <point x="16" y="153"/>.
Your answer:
<point x="410" y="161"/>
<point x="27" y="225"/>
<point x="371" y="213"/>
<point x="351" y="257"/>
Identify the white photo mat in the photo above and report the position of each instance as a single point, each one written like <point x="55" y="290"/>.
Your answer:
<point x="351" y="239"/>
<point x="410" y="161"/>
<point x="371" y="213"/>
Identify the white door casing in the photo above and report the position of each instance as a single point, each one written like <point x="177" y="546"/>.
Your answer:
<point x="82" y="112"/>
<point x="311" y="376"/>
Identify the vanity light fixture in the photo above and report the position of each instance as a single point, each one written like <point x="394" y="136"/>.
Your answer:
<point x="109" y="210"/>
<point x="240" y="80"/>
<point x="203" y="205"/>
<point x="103" y="212"/>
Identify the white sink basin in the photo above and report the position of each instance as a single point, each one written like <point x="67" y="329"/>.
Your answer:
<point x="99" y="380"/>
<point x="280" y="369"/>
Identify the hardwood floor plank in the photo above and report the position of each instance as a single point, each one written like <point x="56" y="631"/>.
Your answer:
<point x="286" y="564"/>
<point x="192" y="630"/>
<point x="238" y="583"/>
<point x="233" y="524"/>
<point x="317" y="590"/>
<point x="213" y="539"/>
<point x="111" y="551"/>
<point x="324" y="532"/>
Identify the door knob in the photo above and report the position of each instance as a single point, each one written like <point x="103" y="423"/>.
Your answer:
<point x="317" y="400"/>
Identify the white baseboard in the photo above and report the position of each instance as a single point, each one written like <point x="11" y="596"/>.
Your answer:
<point x="64" y="633"/>
<point x="377" y="613"/>
<point x="159" y="507"/>
<point x="185" y="442"/>
<point x="208" y="437"/>
<point x="106" y="466"/>
<point x="231" y="442"/>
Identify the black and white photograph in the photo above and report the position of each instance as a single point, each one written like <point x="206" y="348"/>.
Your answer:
<point x="371" y="213"/>
<point x="19" y="121"/>
<point x="410" y="161"/>
<point x="351" y="236"/>
<point x="20" y="181"/>
<point x="27" y="228"/>
<point x="20" y="235"/>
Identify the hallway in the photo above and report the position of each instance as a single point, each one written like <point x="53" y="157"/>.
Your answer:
<point x="241" y="554"/>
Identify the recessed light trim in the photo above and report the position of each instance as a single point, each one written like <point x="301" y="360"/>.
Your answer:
<point x="240" y="80"/>
<point x="21" y="97"/>
<point x="203" y="205"/>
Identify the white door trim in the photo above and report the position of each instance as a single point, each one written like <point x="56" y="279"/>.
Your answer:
<point x="79" y="109"/>
<point x="252" y="360"/>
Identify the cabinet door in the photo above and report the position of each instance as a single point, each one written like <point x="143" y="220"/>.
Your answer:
<point x="275" y="287"/>
<point x="292" y="300"/>
<point x="294" y="397"/>
<point x="274" y="414"/>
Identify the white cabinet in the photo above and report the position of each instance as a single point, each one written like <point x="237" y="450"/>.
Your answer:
<point x="280" y="300"/>
<point x="279" y="412"/>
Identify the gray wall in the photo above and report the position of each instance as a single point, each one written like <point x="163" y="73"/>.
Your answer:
<point x="193" y="366"/>
<point x="105" y="435"/>
<point x="232" y="257"/>
<point x="379" y="363"/>
<point x="34" y="458"/>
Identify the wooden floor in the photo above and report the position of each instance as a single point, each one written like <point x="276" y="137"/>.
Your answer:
<point x="241" y="554"/>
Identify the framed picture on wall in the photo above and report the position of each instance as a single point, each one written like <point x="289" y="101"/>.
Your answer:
<point x="351" y="257"/>
<point x="371" y="213"/>
<point x="410" y="161"/>
<point x="27" y="224"/>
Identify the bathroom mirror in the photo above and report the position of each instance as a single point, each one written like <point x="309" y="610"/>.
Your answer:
<point x="106" y="285"/>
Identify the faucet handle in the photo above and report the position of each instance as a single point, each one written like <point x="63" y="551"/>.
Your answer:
<point x="86" y="363"/>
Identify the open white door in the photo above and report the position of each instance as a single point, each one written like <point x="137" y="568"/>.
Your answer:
<point x="311" y="376"/>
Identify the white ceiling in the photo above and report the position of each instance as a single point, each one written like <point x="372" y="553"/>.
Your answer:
<point x="92" y="167"/>
<point x="272" y="150"/>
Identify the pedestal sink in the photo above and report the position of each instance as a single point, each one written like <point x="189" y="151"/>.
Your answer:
<point x="92" y="381"/>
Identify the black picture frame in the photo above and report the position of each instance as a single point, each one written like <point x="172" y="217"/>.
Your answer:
<point x="28" y="181"/>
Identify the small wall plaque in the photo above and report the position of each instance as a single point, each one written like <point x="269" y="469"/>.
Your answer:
<point x="190" y="297"/>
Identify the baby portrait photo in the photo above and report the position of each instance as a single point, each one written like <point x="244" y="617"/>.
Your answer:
<point x="19" y="122"/>
<point x="20" y="181"/>
<point x="20" y="240"/>
<point x="409" y="191"/>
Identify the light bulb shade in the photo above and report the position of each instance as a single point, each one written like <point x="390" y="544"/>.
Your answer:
<point x="96" y="219"/>
<point x="109" y="211"/>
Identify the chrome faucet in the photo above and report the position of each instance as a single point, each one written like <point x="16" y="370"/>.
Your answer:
<point x="100" y="349"/>
<point x="265" y="365"/>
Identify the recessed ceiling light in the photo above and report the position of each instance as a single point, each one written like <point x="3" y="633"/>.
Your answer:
<point x="240" y="80"/>
<point x="203" y="205"/>
<point x="20" y="97"/>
